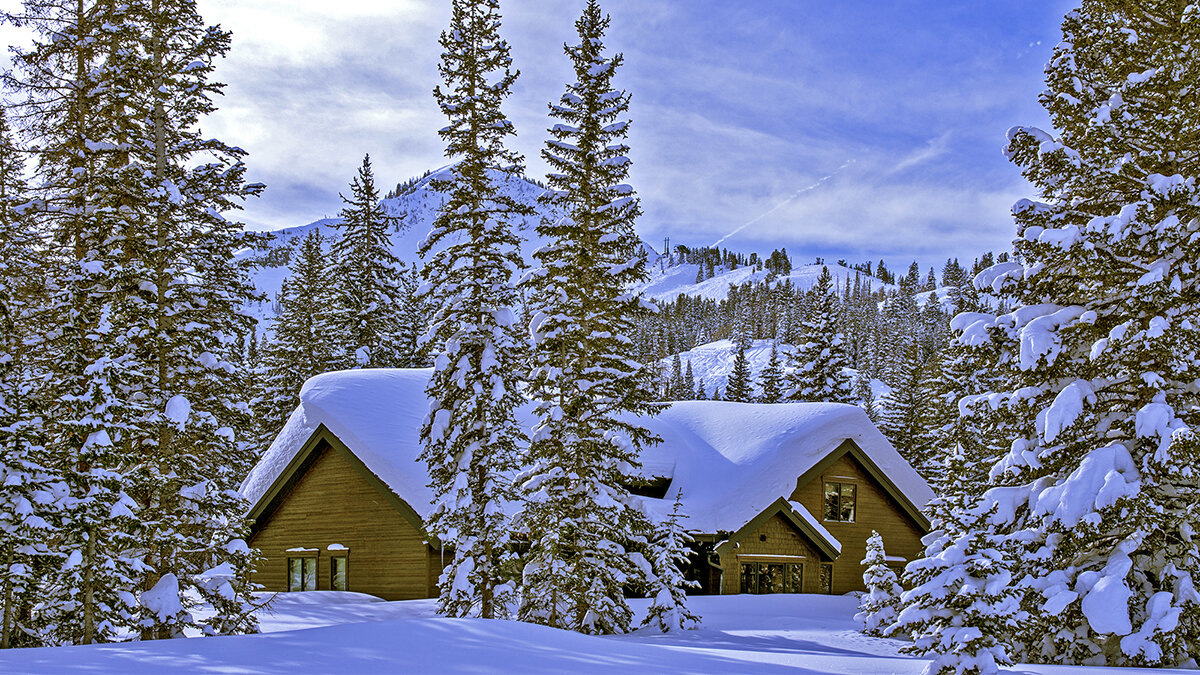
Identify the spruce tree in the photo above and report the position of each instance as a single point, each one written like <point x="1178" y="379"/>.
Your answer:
<point x="878" y="607"/>
<point x="29" y="495"/>
<point x="904" y="414"/>
<point x="470" y="436"/>
<point x="739" y="386"/>
<point x="301" y="343"/>
<point x="962" y="607"/>
<point x="587" y="441"/>
<point x="367" y="280"/>
<point x="1099" y="352"/>
<point x="667" y="554"/>
<point x="771" y="379"/>
<point x="819" y="360"/>
<point x="66" y="104"/>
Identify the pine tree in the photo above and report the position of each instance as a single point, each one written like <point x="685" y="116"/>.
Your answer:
<point x="771" y="380"/>
<point x="819" y="360"/>
<point x="1099" y="353"/>
<point x="195" y="439"/>
<point x="962" y="607"/>
<point x="580" y="516"/>
<point x="739" y="386"/>
<point x="667" y="552"/>
<point x="879" y="606"/>
<point x="412" y="351"/>
<point x="66" y="104"/>
<point x="301" y="344"/>
<point x="689" y="382"/>
<point x="29" y="496"/>
<point x="903" y="418"/>
<point x="367" y="279"/>
<point x="470" y="436"/>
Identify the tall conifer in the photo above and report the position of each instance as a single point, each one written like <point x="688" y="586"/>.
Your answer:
<point x="470" y="436"/>
<point x="581" y="518"/>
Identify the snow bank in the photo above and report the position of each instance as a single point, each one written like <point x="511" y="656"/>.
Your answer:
<point x="731" y="460"/>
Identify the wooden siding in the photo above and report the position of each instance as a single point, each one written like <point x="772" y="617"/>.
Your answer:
<point x="332" y="503"/>
<point x="874" y="510"/>
<point x="782" y="539"/>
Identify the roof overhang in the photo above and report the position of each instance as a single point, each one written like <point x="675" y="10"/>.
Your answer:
<point x="829" y="549"/>
<point x="849" y="447"/>
<point x="309" y="452"/>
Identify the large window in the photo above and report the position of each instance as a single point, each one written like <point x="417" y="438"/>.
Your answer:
<point x="302" y="574"/>
<point x="337" y="573"/>
<point x="772" y="577"/>
<point x="840" y="501"/>
<point x="825" y="583"/>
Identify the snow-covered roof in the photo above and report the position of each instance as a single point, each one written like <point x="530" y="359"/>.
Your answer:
<point x="730" y="460"/>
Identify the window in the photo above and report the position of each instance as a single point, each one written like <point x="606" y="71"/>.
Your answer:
<point x="840" y="501"/>
<point x="302" y="574"/>
<point x="772" y="578"/>
<point x="825" y="583"/>
<point x="337" y="573"/>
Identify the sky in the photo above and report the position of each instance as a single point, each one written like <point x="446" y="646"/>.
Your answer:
<point x="853" y="130"/>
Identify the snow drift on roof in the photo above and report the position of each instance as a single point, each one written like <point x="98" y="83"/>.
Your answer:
<point x="730" y="460"/>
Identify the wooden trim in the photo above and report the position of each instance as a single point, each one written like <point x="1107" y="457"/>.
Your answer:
<point x="767" y="557"/>
<point x="849" y="447"/>
<point x="308" y="453"/>
<point x="784" y="508"/>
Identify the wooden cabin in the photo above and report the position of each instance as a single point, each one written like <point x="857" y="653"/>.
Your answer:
<point x="780" y="498"/>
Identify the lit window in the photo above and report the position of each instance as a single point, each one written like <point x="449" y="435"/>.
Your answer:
<point x="840" y="500"/>
<point x="302" y="574"/>
<point x="337" y="573"/>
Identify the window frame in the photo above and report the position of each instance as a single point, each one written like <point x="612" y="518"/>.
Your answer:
<point x="345" y="558"/>
<point x="307" y="574"/>
<point x="838" y="508"/>
<point x="759" y="574"/>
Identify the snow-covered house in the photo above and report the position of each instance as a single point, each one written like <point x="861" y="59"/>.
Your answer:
<point x="781" y="497"/>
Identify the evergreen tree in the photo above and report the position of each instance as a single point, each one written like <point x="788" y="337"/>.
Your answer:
<point x="739" y="386"/>
<point x="903" y="418"/>
<point x="28" y="494"/>
<point x="580" y="516"/>
<point x="667" y="554"/>
<point x="962" y="606"/>
<point x="819" y="360"/>
<point x="65" y="104"/>
<point x="471" y="439"/>
<point x="302" y="345"/>
<point x="412" y="351"/>
<point x="879" y="606"/>
<point x="689" y="383"/>
<point x="771" y="380"/>
<point x="1099" y="353"/>
<point x="367" y="279"/>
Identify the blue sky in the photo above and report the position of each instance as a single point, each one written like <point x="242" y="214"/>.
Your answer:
<point x="841" y="129"/>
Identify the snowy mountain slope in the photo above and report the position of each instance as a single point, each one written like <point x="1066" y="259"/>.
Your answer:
<point x="668" y="282"/>
<point x="713" y="363"/>
<point x="417" y="208"/>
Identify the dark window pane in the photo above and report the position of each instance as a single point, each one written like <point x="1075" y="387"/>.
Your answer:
<point x="337" y="580"/>
<point x="295" y="574"/>
<point x="826" y="582"/>
<point x="310" y="574"/>
<point x="749" y="578"/>
<point x="849" y="494"/>
<point x="773" y="579"/>
<point x="832" y="511"/>
<point x="795" y="579"/>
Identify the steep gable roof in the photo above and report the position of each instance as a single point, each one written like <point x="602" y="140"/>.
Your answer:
<point x="729" y="460"/>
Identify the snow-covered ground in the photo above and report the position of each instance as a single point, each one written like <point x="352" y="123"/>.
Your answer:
<point x="327" y="632"/>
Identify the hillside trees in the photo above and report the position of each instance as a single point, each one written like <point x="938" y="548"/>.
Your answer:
<point x="578" y="512"/>
<point x="470" y="436"/>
